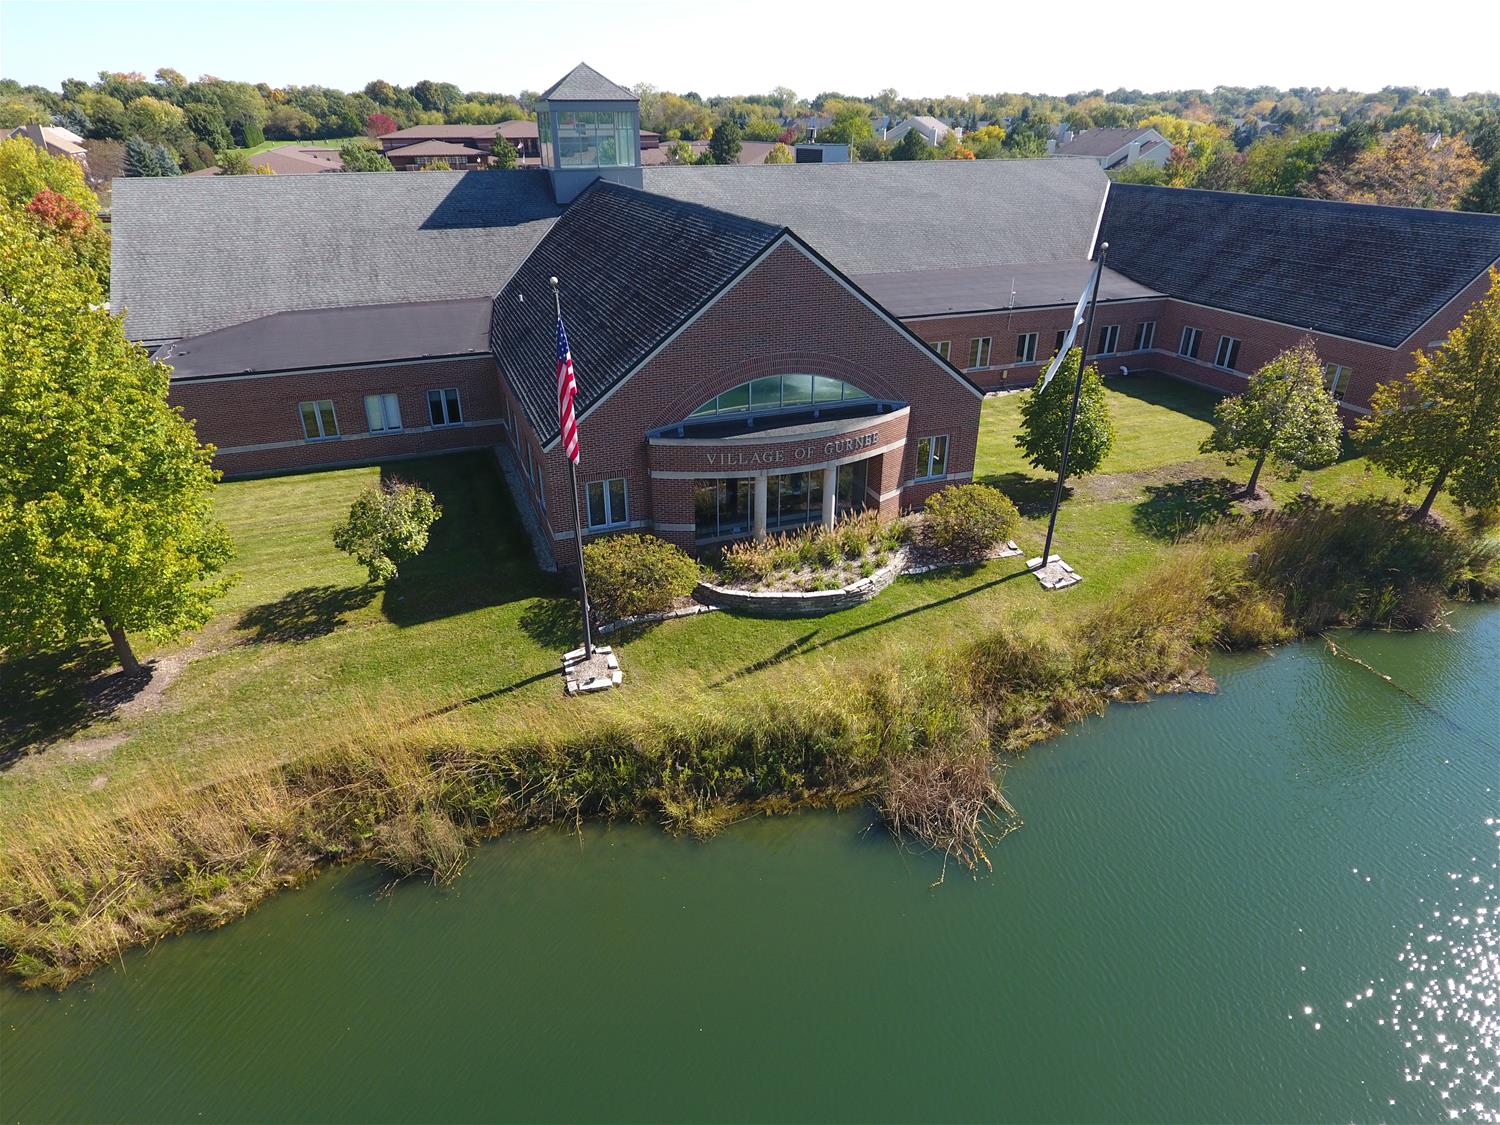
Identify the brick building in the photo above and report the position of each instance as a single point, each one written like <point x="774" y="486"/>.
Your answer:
<point x="756" y="346"/>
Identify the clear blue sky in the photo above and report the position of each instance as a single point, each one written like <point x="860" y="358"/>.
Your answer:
<point x="719" y="47"/>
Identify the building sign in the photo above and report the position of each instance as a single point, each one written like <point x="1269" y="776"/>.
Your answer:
<point x="798" y="454"/>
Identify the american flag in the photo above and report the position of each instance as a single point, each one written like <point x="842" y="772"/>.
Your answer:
<point x="567" y="391"/>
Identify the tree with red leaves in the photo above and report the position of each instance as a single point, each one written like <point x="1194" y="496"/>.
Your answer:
<point x="60" y="212"/>
<point x="379" y="124"/>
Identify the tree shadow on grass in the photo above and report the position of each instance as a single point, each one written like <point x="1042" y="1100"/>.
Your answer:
<point x="46" y="697"/>
<point x="555" y="623"/>
<point x="478" y="554"/>
<point x="1165" y="391"/>
<point x="313" y="611"/>
<point x="1179" y="507"/>
<point x="1031" y="495"/>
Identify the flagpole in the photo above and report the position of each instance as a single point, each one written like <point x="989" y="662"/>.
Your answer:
<point x="1083" y="355"/>
<point x="583" y="581"/>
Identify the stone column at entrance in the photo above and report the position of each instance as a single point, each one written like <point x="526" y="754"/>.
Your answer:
<point x="760" y="507"/>
<point x="830" y="494"/>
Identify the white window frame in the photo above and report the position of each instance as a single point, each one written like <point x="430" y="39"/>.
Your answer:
<point x="442" y="393"/>
<point x="388" y="406"/>
<point x="1230" y="344"/>
<point x="1336" y="379"/>
<point x="1145" y="335"/>
<point x="943" y="348"/>
<point x="1026" y="347"/>
<point x="612" y="519"/>
<point x="1196" y="335"/>
<point x="1111" y="333"/>
<point x="317" y="405"/>
<point x="979" y="349"/>
<point x="924" y="472"/>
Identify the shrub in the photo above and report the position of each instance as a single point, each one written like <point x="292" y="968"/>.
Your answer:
<point x="968" y="519"/>
<point x="1362" y="563"/>
<point x="388" y="523"/>
<point x="815" y="548"/>
<point x="635" y="574"/>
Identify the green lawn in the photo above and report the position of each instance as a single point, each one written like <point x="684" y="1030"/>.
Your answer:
<point x="303" y="651"/>
<point x="333" y="142"/>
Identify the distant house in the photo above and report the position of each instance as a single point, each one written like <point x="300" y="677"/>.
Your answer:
<point x="290" y="160"/>
<point x="54" y="140"/>
<point x="933" y="131"/>
<point x="1118" y="148"/>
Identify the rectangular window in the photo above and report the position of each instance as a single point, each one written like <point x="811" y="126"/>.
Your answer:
<point x="382" y="413"/>
<point x="1061" y="336"/>
<point x="979" y="352"/>
<point x="1109" y="339"/>
<point x="1229" y="352"/>
<point x="318" y="420"/>
<point x="1336" y="379"/>
<point x="943" y="348"/>
<point x="1190" y="340"/>
<point x="443" y="407"/>
<point x="607" y="506"/>
<point x="1145" y="336"/>
<point x="932" y="457"/>
<point x="1026" y="347"/>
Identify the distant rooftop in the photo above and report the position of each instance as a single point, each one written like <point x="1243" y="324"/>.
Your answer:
<point x="1100" y="142"/>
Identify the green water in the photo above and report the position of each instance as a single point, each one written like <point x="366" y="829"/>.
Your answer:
<point x="1193" y="875"/>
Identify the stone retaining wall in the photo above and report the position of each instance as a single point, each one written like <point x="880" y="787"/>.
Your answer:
<point x="802" y="603"/>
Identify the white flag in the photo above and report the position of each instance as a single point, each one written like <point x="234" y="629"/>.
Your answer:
<point x="1067" y="344"/>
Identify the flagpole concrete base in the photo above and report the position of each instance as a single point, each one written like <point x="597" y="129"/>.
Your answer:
<point x="1056" y="575"/>
<point x="584" y="676"/>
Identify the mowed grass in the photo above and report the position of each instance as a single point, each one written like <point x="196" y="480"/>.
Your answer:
<point x="266" y="146"/>
<point x="303" y="651"/>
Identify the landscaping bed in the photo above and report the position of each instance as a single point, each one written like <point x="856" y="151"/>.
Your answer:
<point x="815" y="558"/>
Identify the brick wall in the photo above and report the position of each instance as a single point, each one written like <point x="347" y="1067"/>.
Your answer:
<point x="788" y="315"/>
<point x="257" y="428"/>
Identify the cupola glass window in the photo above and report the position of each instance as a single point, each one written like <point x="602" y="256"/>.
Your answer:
<point x="594" y="138"/>
<point x="781" y="392"/>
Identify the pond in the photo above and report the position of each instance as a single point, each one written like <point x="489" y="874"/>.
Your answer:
<point x="1277" y="903"/>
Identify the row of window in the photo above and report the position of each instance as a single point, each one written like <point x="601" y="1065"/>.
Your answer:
<point x="780" y="392"/>
<point x="1107" y="343"/>
<point x="382" y="414"/>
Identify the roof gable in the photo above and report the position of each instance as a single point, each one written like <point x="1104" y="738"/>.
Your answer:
<point x="585" y="84"/>
<point x="633" y="267"/>
<point x="1357" y="270"/>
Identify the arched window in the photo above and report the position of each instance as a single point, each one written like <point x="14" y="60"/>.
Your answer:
<point x="780" y="392"/>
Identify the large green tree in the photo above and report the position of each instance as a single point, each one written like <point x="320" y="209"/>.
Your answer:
<point x="724" y="146"/>
<point x="1285" y="415"/>
<point x="1440" y="426"/>
<point x="106" y="497"/>
<point x="359" y="155"/>
<point x="1044" y="420"/>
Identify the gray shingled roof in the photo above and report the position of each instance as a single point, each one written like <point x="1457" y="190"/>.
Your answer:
<point x="1100" y="142"/>
<point x="990" y="288"/>
<point x="192" y="255"/>
<point x="909" y="215"/>
<point x="311" y="338"/>
<point x="632" y="268"/>
<point x="1368" y="272"/>
<point x="585" y="84"/>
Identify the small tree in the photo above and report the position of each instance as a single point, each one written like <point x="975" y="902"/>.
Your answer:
<point x="360" y="155"/>
<point x="724" y="146"/>
<point x="1286" y="415"/>
<point x="1441" y="424"/>
<point x="913" y="146"/>
<point x="779" y="154"/>
<point x="438" y="165"/>
<point x="506" y="154"/>
<point x="679" y="152"/>
<point x="106" y="497"/>
<point x="1044" y="420"/>
<point x="234" y="163"/>
<point x="388" y="523"/>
